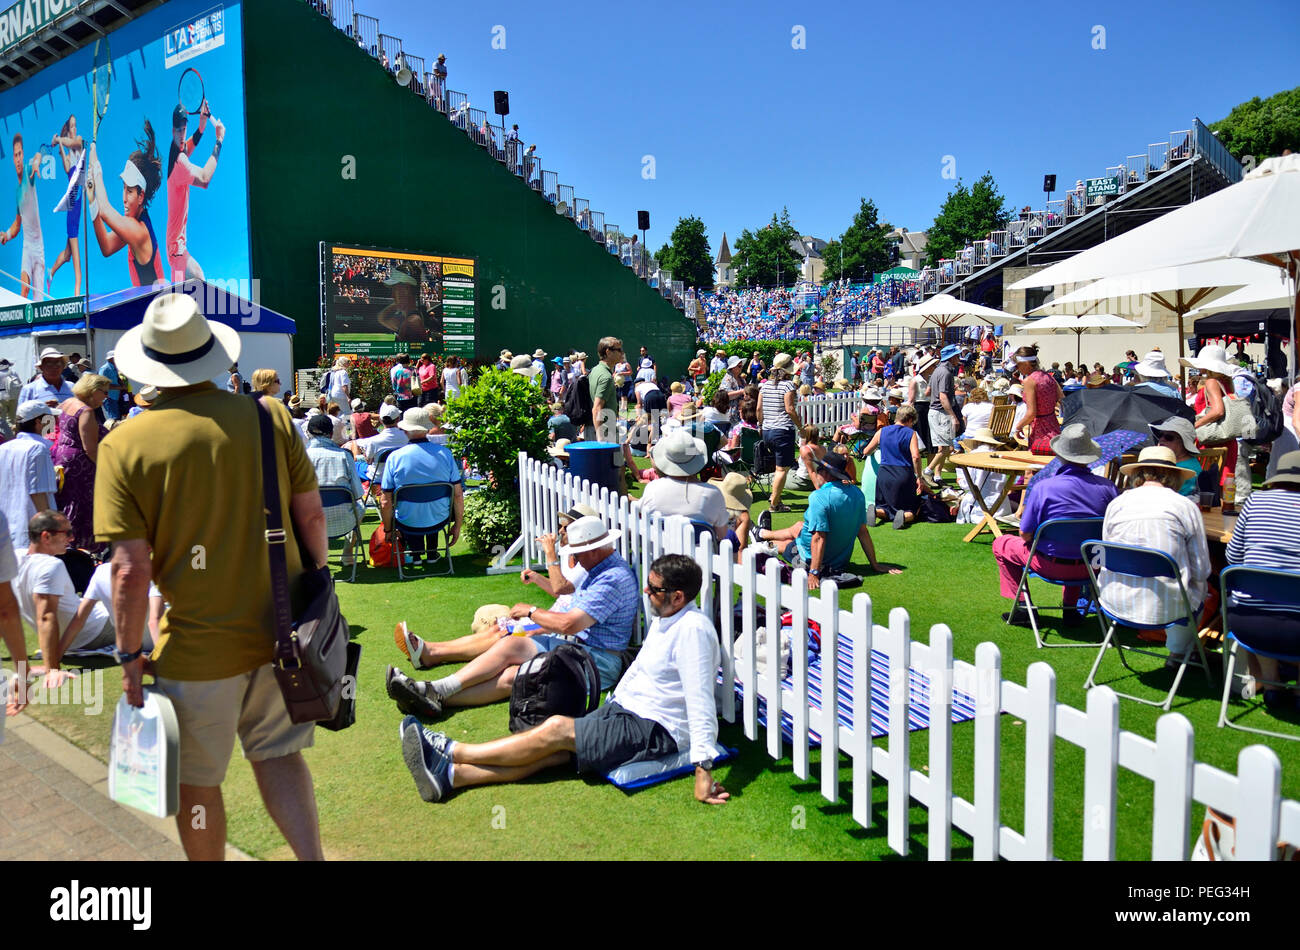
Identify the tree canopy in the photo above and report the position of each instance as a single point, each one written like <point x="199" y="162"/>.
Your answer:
<point x="866" y="251"/>
<point x="1262" y="127"/>
<point x="765" y="257"/>
<point x="968" y="214"/>
<point x="687" y="254"/>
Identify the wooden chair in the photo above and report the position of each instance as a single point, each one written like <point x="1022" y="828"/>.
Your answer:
<point x="1001" y="420"/>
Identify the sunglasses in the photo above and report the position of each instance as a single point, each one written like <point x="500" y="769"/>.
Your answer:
<point x="1168" y="437"/>
<point x="651" y="589"/>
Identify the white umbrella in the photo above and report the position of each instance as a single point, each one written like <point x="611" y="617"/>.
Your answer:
<point x="943" y="311"/>
<point x="1271" y="294"/>
<point x="1259" y="217"/>
<point x="1172" y="290"/>
<point x="1079" y="323"/>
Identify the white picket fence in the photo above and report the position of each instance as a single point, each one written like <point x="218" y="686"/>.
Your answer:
<point x="1179" y="782"/>
<point x="830" y="411"/>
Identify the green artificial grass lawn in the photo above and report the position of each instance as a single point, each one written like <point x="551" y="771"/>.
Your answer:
<point x="369" y="807"/>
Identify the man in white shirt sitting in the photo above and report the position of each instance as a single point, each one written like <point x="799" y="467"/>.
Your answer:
<point x="49" y="602"/>
<point x="664" y="703"/>
<point x="390" y="437"/>
<point x="678" y="458"/>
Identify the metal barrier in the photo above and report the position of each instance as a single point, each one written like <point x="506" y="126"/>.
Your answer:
<point x="929" y="281"/>
<point x="1157" y="157"/>
<point x="342" y="15"/>
<point x="1074" y="204"/>
<point x="391" y="47"/>
<point x="1120" y="172"/>
<point x="982" y="255"/>
<point x="366" y="32"/>
<point x="1208" y="145"/>
<point x="565" y="194"/>
<point x="1137" y="169"/>
<point x="477" y="127"/>
<point x="550" y="186"/>
<point x="963" y="263"/>
<point x="1056" y="213"/>
<point x="582" y="213"/>
<point x="1016" y="234"/>
<point x="456" y="101"/>
<point x="1180" y="146"/>
<point x="417" y="67"/>
<point x="997" y="244"/>
<point x="597" y="227"/>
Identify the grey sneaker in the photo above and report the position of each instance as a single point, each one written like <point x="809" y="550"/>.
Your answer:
<point x="765" y="520"/>
<point x="412" y="697"/>
<point x="428" y="764"/>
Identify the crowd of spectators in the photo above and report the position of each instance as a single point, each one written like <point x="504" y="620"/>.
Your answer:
<point x="767" y="314"/>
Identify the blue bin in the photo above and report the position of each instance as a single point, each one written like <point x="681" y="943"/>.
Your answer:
<point x="595" y="461"/>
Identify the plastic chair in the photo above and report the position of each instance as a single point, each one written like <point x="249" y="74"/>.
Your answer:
<point x="337" y="497"/>
<point x="1068" y="532"/>
<point x="1134" y="561"/>
<point x="423" y="493"/>
<point x="1254" y="587"/>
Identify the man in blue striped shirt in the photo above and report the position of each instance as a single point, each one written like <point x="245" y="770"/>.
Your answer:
<point x="600" y="618"/>
<point x="1267" y="534"/>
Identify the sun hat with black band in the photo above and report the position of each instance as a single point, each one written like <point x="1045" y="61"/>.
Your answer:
<point x="834" y="467"/>
<point x="577" y="511"/>
<point x="1288" y="471"/>
<point x="176" y="346"/>
<point x="1075" y="444"/>
<point x="146" y="397"/>
<point x="587" y="534"/>
<point x="1157" y="457"/>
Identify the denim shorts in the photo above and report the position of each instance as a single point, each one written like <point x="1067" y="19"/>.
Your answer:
<point x="782" y="443"/>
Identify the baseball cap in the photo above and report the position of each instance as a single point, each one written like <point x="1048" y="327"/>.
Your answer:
<point x="34" y="409"/>
<point x="390" y="413"/>
<point x="180" y="116"/>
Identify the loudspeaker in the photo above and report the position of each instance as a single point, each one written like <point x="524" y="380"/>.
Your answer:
<point x="1049" y="183"/>
<point x="643" y="220"/>
<point x="502" y="99"/>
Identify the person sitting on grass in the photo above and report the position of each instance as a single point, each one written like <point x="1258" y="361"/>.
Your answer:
<point x="811" y="451"/>
<point x="823" y="541"/>
<point x="563" y="576"/>
<point x="603" y="610"/>
<point x="664" y="703"/>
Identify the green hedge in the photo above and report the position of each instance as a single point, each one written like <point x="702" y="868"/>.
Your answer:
<point x="767" y="349"/>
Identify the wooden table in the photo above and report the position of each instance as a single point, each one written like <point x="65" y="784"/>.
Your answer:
<point x="1218" y="526"/>
<point x="1010" y="464"/>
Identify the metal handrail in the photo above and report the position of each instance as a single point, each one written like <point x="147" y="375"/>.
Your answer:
<point x="997" y="244"/>
<point x="982" y="256"/>
<point x="550" y="186"/>
<point x="365" y="30"/>
<point x="1137" y="169"/>
<point x="1157" y="157"/>
<point x="1180" y="145"/>
<point x="1208" y="145"/>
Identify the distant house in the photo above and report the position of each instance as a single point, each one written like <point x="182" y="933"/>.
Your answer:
<point x="911" y="246"/>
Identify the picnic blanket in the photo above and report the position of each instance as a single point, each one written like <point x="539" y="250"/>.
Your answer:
<point x="918" y="710"/>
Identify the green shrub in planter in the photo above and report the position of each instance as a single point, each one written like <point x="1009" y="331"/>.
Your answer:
<point x="492" y="519"/>
<point x="495" y="419"/>
<point x="710" y="388"/>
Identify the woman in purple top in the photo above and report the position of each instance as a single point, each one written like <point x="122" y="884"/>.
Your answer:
<point x="76" y="448"/>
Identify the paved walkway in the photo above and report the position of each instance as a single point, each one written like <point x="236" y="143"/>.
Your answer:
<point x="54" y="805"/>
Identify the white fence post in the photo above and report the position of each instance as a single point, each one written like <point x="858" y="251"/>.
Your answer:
<point x="862" y="749"/>
<point x="899" y="774"/>
<point x="1173" y="792"/>
<point x="799" y="669"/>
<point x="1099" y="771"/>
<point x="1040" y="761"/>
<point x="830" y="730"/>
<point x="770" y="684"/>
<point x="939" y="801"/>
<point x="1259" y="785"/>
<point x="988" y="751"/>
<point x="749" y="632"/>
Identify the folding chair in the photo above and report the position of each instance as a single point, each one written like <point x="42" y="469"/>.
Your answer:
<point x="1001" y="420"/>
<point x="337" y="497"/>
<point x="1069" y="532"/>
<point x="423" y="493"/>
<point x="702" y="529"/>
<point x="749" y="438"/>
<point x="1252" y="598"/>
<point x="371" y="492"/>
<point x="1145" y="564"/>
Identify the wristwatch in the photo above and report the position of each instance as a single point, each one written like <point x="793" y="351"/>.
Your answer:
<point x="531" y="610"/>
<point x="707" y="765"/>
<point x="124" y="658"/>
<point x="816" y="572"/>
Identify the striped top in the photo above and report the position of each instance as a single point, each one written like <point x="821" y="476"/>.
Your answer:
<point x="1152" y="516"/>
<point x="772" y="398"/>
<point x="1267" y="532"/>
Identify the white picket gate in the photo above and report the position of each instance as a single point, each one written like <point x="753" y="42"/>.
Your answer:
<point x="830" y="411"/>
<point x="1253" y="795"/>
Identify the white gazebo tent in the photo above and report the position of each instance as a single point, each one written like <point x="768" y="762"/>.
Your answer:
<point x="1258" y="218"/>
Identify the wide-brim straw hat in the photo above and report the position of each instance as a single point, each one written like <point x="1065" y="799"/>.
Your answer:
<point x="1157" y="457"/>
<point x="982" y="434"/>
<point x="1075" y="444"/>
<point x="735" y="492"/>
<point x="560" y="449"/>
<point x="523" y="365"/>
<point x="587" y="534"/>
<point x="783" y="361"/>
<point x="1210" y="359"/>
<point x="416" y="421"/>
<point x="176" y="346"/>
<point x="145" y="397"/>
<point x="679" y="453"/>
<point x="1153" y="365"/>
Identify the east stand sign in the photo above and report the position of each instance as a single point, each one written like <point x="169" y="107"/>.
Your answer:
<point x="43" y="312"/>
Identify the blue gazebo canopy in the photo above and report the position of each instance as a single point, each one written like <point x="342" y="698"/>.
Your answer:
<point x="125" y="308"/>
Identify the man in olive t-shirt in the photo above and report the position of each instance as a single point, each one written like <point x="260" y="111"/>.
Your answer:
<point x="604" y="394"/>
<point x="178" y="492"/>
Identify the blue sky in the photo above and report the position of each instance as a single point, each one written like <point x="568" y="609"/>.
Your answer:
<point x="740" y="123"/>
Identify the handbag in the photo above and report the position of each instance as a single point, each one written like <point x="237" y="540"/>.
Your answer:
<point x="1238" y="422"/>
<point x="311" y="651"/>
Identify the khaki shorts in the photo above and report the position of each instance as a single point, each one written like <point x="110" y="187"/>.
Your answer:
<point x="211" y="712"/>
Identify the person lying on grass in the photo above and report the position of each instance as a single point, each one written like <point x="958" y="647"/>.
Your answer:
<point x="603" y="609"/>
<point x="664" y="703"/>
<point x="837" y="515"/>
<point x="563" y="576"/>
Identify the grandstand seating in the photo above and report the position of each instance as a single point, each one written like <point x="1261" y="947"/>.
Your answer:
<point x="769" y="313"/>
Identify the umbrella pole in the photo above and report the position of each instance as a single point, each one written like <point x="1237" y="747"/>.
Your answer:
<point x="1078" y="347"/>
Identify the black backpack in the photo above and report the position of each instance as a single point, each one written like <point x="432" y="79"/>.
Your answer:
<point x="577" y="401"/>
<point x="1268" y="414"/>
<point x="559" y="682"/>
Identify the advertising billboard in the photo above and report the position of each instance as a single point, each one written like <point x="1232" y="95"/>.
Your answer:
<point x="126" y="160"/>
<point x="379" y="302"/>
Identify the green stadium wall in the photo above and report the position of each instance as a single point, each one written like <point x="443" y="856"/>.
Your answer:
<point x="314" y="98"/>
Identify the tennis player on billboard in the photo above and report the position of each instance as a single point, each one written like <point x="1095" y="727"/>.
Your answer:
<point x="27" y="219"/>
<point x="407" y="316"/>
<point x="182" y="173"/>
<point x="132" y="228"/>
<point x="72" y="151"/>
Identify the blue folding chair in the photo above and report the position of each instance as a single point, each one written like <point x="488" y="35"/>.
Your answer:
<point x="702" y="529"/>
<point x="424" y="493"/>
<point x="337" y="497"/>
<point x="1144" y="564"/>
<point x="1254" y="597"/>
<point x="1069" y="533"/>
<point x="372" y="489"/>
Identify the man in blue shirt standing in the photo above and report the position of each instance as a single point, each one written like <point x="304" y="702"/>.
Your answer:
<point x="836" y="517"/>
<point x="600" y="618"/>
<point x="113" y="404"/>
<point x="418" y="463"/>
<point x="49" y="387"/>
<point x="1073" y="492"/>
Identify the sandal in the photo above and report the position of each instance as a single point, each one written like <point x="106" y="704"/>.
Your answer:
<point x="780" y="509"/>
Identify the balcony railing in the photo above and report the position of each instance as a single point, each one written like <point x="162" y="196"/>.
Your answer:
<point x="1216" y="152"/>
<point x="565" y="194"/>
<point x="1055" y="213"/>
<point x="1180" y="146"/>
<point x="1157" y="157"/>
<point x="366" y="32"/>
<point x="550" y="186"/>
<point x="1137" y="169"/>
<point x="982" y="256"/>
<point x="391" y="48"/>
<point x="997" y="244"/>
<point x="597" y="228"/>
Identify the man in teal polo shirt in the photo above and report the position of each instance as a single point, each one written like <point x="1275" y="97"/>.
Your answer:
<point x="836" y="517"/>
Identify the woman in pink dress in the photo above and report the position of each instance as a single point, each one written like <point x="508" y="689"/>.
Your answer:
<point x="1041" y="394"/>
<point x="75" y="448"/>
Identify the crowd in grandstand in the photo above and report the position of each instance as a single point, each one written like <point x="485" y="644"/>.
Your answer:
<point x="762" y="313"/>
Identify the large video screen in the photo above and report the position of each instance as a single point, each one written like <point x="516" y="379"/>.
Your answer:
<point x="160" y="191"/>
<point x="379" y="302"/>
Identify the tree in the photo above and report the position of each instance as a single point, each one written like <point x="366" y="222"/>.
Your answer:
<point x="968" y="214"/>
<point x="765" y="257"/>
<point x="865" y="249"/>
<point x="1262" y="127"/>
<point x="687" y="254"/>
